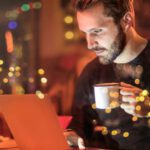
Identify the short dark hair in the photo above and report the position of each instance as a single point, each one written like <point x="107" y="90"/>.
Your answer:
<point x="114" y="8"/>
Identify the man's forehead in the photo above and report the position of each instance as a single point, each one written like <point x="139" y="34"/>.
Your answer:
<point x="88" y="21"/>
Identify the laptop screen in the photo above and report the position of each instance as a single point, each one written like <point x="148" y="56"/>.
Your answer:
<point x="32" y="122"/>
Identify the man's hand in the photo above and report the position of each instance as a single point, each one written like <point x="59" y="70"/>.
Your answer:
<point x="73" y="139"/>
<point x="133" y="102"/>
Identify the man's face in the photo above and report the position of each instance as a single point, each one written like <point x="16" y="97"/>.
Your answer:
<point x="103" y="36"/>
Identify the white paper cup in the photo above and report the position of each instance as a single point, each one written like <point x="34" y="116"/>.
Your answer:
<point x="106" y="95"/>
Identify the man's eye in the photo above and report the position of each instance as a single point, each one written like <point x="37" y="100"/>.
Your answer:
<point x="97" y="31"/>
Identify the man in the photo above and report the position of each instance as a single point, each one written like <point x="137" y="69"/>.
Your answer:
<point x="122" y="57"/>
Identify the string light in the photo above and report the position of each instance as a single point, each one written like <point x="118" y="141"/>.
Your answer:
<point x="134" y="118"/>
<point x="108" y="110"/>
<point x="12" y="69"/>
<point x="25" y="7"/>
<point x="41" y="71"/>
<point x="13" y="14"/>
<point x="144" y="93"/>
<point x="138" y="107"/>
<point x="1" y="62"/>
<point x="148" y="114"/>
<point x="17" y="68"/>
<point x="43" y="80"/>
<point x="5" y="80"/>
<point x="10" y="74"/>
<point x="137" y="99"/>
<point x="114" y="132"/>
<point x="137" y="81"/>
<point x="12" y="25"/>
<point x="104" y="131"/>
<point x="142" y="98"/>
<point x="126" y="134"/>
<point x="68" y="19"/>
<point x="69" y="35"/>
<point x="9" y="41"/>
<point x="94" y="106"/>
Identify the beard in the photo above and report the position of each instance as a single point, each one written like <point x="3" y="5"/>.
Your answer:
<point x="115" y="49"/>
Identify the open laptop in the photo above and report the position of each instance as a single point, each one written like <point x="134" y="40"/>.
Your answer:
<point x="32" y="122"/>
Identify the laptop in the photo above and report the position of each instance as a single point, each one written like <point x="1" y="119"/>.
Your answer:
<point x="32" y="122"/>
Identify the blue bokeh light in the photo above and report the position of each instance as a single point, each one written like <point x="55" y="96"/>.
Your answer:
<point x="12" y="25"/>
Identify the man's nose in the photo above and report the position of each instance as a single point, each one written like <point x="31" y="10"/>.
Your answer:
<point x="90" y="41"/>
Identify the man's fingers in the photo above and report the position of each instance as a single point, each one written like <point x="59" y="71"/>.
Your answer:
<point x="125" y="93"/>
<point x="130" y="109"/>
<point x="127" y="106"/>
<point x="134" y="89"/>
<point x="73" y="139"/>
<point x="129" y="99"/>
<point x="126" y="85"/>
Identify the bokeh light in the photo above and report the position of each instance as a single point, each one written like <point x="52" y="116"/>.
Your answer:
<point x="68" y="19"/>
<point x="69" y="35"/>
<point x="43" y="80"/>
<point x="41" y="71"/>
<point x="12" y="25"/>
<point x="1" y="62"/>
<point x="25" y="7"/>
<point x="126" y="134"/>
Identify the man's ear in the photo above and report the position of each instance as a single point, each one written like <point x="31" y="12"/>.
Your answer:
<point x="127" y="21"/>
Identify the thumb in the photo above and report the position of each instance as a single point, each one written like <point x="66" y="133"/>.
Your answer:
<point x="81" y="143"/>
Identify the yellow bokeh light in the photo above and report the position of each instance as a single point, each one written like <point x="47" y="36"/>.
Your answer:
<point x="1" y="62"/>
<point x="137" y="81"/>
<point x="134" y="118"/>
<point x="137" y="99"/>
<point x="41" y="71"/>
<point x="68" y="19"/>
<point x="104" y="131"/>
<point x="5" y="80"/>
<point x="126" y="134"/>
<point x="114" y="104"/>
<point x="114" y="132"/>
<point x="69" y="35"/>
<point x="148" y="114"/>
<point x="43" y="80"/>
<point x="138" y="107"/>
<point x="11" y="69"/>
<point x="144" y="93"/>
<point x="94" y="106"/>
<point x="114" y="94"/>
<point x="17" y="68"/>
<point x="108" y="110"/>
<point x="142" y="98"/>
<point x="10" y="74"/>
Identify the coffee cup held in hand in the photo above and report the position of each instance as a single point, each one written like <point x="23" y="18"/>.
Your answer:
<point x="106" y="95"/>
